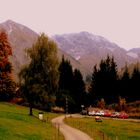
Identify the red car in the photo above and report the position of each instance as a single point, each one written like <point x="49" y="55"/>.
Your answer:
<point x="123" y="115"/>
<point x="107" y="114"/>
<point x="115" y="114"/>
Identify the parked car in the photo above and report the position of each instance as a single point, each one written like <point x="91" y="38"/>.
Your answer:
<point x="91" y="113"/>
<point x="123" y="115"/>
<point x="102" y="113"/>
<point x="99" y="113"/>
<point x="107" y="114"/>
<point x="115" y="114"/>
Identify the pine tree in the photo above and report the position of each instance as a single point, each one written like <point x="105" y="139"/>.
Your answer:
<point x="39" y="79"/>
<point x="7" y="84"/>
<point x="125" y="84"/>
<point x="66" y="75"/>
<point x="104" y="81"/>
<point x="65" y="84"/>
<point x="94" y="87"/>
<point x="79" y="94"/>
<point x="135" y="84"/>
<point x="71" y="86"/>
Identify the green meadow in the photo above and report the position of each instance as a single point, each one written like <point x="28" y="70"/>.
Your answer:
<point x="16" y="124"/>
<point x="108" y="129"/>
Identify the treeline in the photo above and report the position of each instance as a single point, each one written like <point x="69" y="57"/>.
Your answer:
<point x="46" y="82"/>
<point x="71" y="87"/>
<point x="108" y="84"/>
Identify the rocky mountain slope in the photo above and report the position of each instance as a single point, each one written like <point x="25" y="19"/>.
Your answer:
<point x="89" y="49"/>
<point x="83" y="49"/>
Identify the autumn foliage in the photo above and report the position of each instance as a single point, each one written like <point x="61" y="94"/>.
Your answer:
<point x="7" y="85"/>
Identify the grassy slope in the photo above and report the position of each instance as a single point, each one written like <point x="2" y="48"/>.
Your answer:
<point x="16" y="124"/>
<point x="108" y="129"/>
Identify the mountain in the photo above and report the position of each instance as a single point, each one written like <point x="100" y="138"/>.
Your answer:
<point x="21" y="38"/>
<point x="89" y="49"/>
<point x="83" y="49"/>
<point x="135" y="53"/>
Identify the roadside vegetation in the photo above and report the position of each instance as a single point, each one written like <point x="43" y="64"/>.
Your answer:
<point x="16" y="124"/>
<point x="108" y="129"/>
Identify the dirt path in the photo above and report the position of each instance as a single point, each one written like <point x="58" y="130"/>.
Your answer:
<point x="69" y="132"/>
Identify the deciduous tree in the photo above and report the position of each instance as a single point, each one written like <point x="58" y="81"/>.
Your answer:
<point x="39" y="79"/>
<point x="7" y="84"/>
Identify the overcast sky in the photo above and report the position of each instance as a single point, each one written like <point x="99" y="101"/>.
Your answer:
<point x="116" y="20"/>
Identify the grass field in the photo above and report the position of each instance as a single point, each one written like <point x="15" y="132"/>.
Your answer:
<point x="16" y="124"/>
<point x="108" y="129"/>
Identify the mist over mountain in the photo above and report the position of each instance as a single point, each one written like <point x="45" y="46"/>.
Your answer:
<point x="83" y="49"/>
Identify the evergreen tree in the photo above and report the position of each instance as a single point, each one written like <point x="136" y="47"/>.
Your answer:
<point x="124" y="84"/>
<point x="79" y="94"/>
<point x="71" y="86"/>
<point x="135" y="84"/>
<point x="7" y="84"/>
<point x="104" y="81"/>
<point x="94" y="88"/>
<point x="65" y="84"/>
<point x="39" y="79"/>
<point x="66" y="75"/>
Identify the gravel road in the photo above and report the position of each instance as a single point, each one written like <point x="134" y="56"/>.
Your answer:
<point x="69" y="132"/>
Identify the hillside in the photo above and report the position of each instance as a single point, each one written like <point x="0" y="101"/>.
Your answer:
<point x="16" y="124"/>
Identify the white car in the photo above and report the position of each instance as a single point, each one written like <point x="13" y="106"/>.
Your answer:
<point x="91" y="113"/>
<point x="99" y="113"/>
<point x="102" y="113"/>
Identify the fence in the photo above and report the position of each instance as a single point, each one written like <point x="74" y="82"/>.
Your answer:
<point x="53" y="131"/>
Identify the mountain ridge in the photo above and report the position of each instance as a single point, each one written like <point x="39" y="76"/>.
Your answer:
<point x="22" y="38"/>
<point x="83" y="49"/>
<point x="93" y="48"/>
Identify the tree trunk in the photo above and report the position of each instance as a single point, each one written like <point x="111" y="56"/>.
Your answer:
<point x="30" y="110"/>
